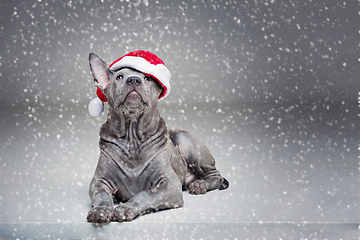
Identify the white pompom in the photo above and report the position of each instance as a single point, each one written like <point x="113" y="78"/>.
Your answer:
<point x="96" y="107"/>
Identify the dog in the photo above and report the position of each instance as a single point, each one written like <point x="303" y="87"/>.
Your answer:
<point x="143" y="166"/>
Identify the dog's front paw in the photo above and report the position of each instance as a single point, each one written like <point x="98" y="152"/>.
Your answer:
<point x="100" y="214"/>
<point x="198" y="187"/>
<point x="124" y="213"/>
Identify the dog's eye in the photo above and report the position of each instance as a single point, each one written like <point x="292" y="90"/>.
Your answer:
<point x="147" y="78"/>
<point x="119" y="77"/>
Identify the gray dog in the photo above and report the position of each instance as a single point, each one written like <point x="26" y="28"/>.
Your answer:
<point x="143" y="166"/>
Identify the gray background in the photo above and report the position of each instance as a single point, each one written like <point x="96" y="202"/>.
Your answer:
<point x="271" y="87"/>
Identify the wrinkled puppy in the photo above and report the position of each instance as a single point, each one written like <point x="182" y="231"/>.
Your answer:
<point x="143" y="166"/>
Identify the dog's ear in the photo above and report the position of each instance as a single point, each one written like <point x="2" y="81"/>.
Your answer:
<point x="100" y="70"/>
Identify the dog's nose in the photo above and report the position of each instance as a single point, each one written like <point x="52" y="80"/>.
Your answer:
<point x="133" y="81"/>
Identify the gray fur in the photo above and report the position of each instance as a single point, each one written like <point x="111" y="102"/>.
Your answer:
<point x="143" y="166"/>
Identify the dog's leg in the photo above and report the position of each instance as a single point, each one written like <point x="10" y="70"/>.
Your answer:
<point x="102" y="202"/>
<point x="201" y="163"/>
<point x="166" y="194"/>
<point x="102" y="210"/>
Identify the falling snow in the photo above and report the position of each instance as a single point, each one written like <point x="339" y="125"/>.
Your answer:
<point x="271" y="86"/>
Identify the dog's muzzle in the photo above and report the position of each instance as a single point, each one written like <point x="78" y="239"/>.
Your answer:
<point x="133" y="81"/>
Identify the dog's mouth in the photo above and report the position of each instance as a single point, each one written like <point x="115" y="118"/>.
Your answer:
<point x="132" y="98"/>
<point x="133" y="95"/>
<point x="133" y="105"/>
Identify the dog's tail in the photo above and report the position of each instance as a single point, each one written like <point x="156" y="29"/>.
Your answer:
<point x="224" y="185"/>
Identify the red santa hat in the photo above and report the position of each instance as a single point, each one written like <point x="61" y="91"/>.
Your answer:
<point x="143" y="61"/>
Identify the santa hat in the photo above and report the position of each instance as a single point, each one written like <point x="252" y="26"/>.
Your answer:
<point x="143" y="61"/>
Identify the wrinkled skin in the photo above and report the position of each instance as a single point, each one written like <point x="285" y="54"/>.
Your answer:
<point x="143" y="166"/>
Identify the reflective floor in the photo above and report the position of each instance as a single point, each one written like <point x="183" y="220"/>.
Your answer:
<point x="293" y="171"/>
